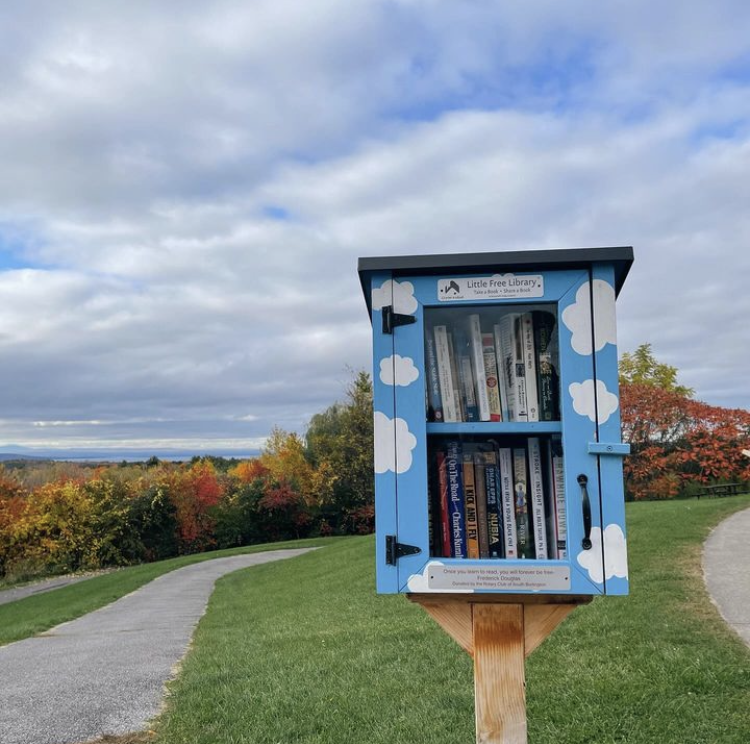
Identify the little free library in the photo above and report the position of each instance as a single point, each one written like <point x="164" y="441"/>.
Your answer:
<point x="499" y="500"/>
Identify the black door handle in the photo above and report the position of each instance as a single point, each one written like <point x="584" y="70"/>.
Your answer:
<point x="583" y="482"/>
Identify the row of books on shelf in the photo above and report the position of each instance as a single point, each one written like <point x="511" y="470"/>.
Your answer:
<point x="491" y="501"/>
<point x="508" y="372"/>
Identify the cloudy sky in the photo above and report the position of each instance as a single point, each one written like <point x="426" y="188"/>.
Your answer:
<point x="186" y="188"/>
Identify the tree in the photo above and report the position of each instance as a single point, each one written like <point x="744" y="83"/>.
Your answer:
<point x="641" y="368"/>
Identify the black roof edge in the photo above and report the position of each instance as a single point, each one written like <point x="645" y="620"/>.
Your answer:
<point x="440" y="263"/>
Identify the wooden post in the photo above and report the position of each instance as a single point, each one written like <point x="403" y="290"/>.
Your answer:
<point x="499" y="631"/>
<point x="499" y="682"/>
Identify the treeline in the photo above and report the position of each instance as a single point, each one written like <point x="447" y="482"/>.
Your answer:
<point x="62" y="517"/>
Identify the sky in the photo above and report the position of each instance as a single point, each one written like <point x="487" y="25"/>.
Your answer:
<point x="186" y="189"/>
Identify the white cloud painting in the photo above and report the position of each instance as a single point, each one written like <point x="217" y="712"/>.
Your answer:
<point x="398" y="370"/>
<point x="586" y="397"/>
<point x="418" y="583"/>
<point x="393" y="444"/>
<point x="615" y="555"/>
<point x="577" y="317"/>
<point x="402" y="294"/>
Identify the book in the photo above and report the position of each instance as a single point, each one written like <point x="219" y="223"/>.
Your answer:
<point x="434" y="400"/>
<point x="494" y="507"/>
<point x="529" y="361"/>
<point x="454" y="374"/>
<point x="523" y="525"/>
<point x="561" y="523"/>
<point x="454" y="467"/>
<point x="444" y="539"/>
<point x="505" y="465"/>
<point x="477" y="359"/>
<point x="520" y="411"/>
<point x="502" y="377"/>
<point x="504" y="333"/>
<point x="536" y="498"/>
<point x="491" y="377"/>
<point x="548" y="379"/>
<point x="470" y="501"/>
<point x="465" y="376"/>
<point x="451" y="409"/>
<point x="481" y="491"/>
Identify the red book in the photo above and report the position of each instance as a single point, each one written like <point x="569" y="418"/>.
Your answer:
<point x="445" y="529"/>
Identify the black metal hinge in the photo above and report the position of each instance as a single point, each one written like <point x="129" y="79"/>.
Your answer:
<point x="391" y="319"/>
<point x="395" y="550"/>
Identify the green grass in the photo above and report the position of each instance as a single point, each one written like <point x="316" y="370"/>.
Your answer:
<point x="303" y="651"/>
<point x="38" y="613"/>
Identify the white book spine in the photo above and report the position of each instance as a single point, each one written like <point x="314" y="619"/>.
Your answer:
<point x="456" y="377"/>
<point x="521" y="412"/>
<point x="477" y="358"/>
<point x="502" y="375"/>
<point x="529" y="360"/>
<point x="561" y="522"/>
<point x="490" y="373"/>
<point x="536" y="492"/>
<point x="505" y="458"/>
<point x="451" y="410"/>
<point x="509" y="370"/>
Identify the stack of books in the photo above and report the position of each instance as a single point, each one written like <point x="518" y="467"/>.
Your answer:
<point x="504" y="371"/>
<point x="494" y="501"/>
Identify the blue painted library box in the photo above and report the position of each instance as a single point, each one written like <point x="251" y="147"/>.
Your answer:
<point x="498" y="453"/>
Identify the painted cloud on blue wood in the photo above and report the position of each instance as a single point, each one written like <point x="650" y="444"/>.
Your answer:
<point x="398" y="370"/>
<point x="399" y="294"/>
<point x="577" y="317"/>
<point x="587" y="400"/>
<point x="418" y="583"/>
<point x="393" y="444"/>
<point x="615" y="555"/>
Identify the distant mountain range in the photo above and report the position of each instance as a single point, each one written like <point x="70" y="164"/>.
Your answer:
<point x="18" y="452"/>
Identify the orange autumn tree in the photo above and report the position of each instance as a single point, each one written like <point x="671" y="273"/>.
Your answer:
<point x="675" y="439"/>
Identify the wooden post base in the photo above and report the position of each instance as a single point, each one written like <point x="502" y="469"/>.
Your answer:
<point x="499" y="631"/>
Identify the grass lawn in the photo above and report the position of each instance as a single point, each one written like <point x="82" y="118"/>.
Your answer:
<point x="304" y="651"/>
<point x="38" y="613"/>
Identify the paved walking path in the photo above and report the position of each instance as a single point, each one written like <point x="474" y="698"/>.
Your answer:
<point x="45" y="585"/>
<point x="726" y="566"/>
<point x="104" y="673"/>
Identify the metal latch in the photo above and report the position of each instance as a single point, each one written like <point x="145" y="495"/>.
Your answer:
<point x="609" y="448"/>
<point x="395" y="550"/>
<point x="391" y="319"/>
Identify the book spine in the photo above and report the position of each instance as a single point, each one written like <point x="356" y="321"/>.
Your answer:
<point x="477" y="358"/>
<point x="454" y="466"/>
<point x="456" y="379"/>
<point x="481" y="490"/>
<point x="546" y="367"/>
<point x="470" y="498"/>
<point x="509" y="369"/>
<point x="465" y="376"/>
<point x="451" y="411"/>
<point x="529" y="361"/>
<point x="494" y="508"/>
<point x="519" y="372"/>
<point x="505" y="463"/>
<point x="561" y="522"/>
<point x="444" y="506"/>
<point x="434" y="400"/>
<point x="523" y="526"/>
<point x="502" y="375"/>
<point x="536" y="494"/>
<point x="490" y="373"/>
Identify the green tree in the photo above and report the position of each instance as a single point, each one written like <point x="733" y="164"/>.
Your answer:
<point x="642" y="368"/>
<point x="341" y="438"/>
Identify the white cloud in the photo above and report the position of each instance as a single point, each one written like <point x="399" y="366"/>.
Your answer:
<point x="400" y="294"/>
<point x="393" y="444"/>
<point x="615" y="555"/>
<point x="587" y="400"/>
<point x="398" y="370"/>
<point x="418" y="583"/>
<point x="577" y="317"/>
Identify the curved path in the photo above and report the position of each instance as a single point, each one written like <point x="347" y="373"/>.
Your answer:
<point x="104" y="673"/>
<point x="45" y="585"/>
<point x="726" y="566"/>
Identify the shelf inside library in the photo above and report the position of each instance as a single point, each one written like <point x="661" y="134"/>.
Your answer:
<point x="495" y="427"/>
